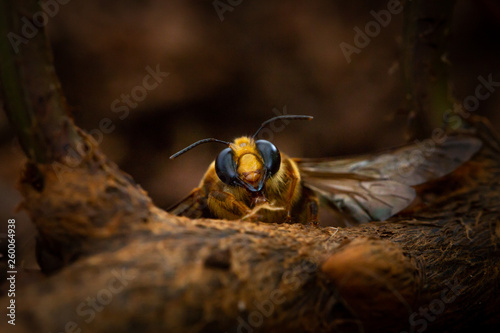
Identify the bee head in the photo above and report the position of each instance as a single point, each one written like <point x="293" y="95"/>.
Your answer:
<point x="247" y="162"/>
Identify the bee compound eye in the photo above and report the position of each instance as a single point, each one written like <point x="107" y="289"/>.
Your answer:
<point x="225" y="167"/>
<point x="271" y="156"/>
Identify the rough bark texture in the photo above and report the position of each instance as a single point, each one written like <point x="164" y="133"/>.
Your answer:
<point x="140" y="268"/>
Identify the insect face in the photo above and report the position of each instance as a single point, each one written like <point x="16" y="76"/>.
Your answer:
<point x="248" y="163"/>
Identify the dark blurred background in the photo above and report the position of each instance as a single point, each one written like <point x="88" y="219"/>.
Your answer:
<point x="226" y="77"/>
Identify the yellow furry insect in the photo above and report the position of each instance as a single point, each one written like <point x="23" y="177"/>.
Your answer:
<point x="252" y="180"/>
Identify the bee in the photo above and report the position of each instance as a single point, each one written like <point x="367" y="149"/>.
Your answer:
<point x="252" y="180"/>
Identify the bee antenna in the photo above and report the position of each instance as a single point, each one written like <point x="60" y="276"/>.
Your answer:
<point x="197" y="143"/>
<point x="291" y="117"/>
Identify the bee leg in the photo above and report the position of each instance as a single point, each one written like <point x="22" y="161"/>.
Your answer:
<point x="253" y="214"/>
<point x="312" y="206"/>
<point x="224" y="205"/>
<point x="312" y="212"/>
<point x="193" y="206"/>
<point x="291" y="193"/>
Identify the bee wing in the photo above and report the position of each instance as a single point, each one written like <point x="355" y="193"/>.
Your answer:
<point x="410" y="165"/>
<point x="193" y="206"/>
<point x="363" y="200"/>
<point x="375" y="187"/>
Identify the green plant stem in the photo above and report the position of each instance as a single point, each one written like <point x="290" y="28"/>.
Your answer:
<point x="425" y="66"/>
<point x="29" y="88"/>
